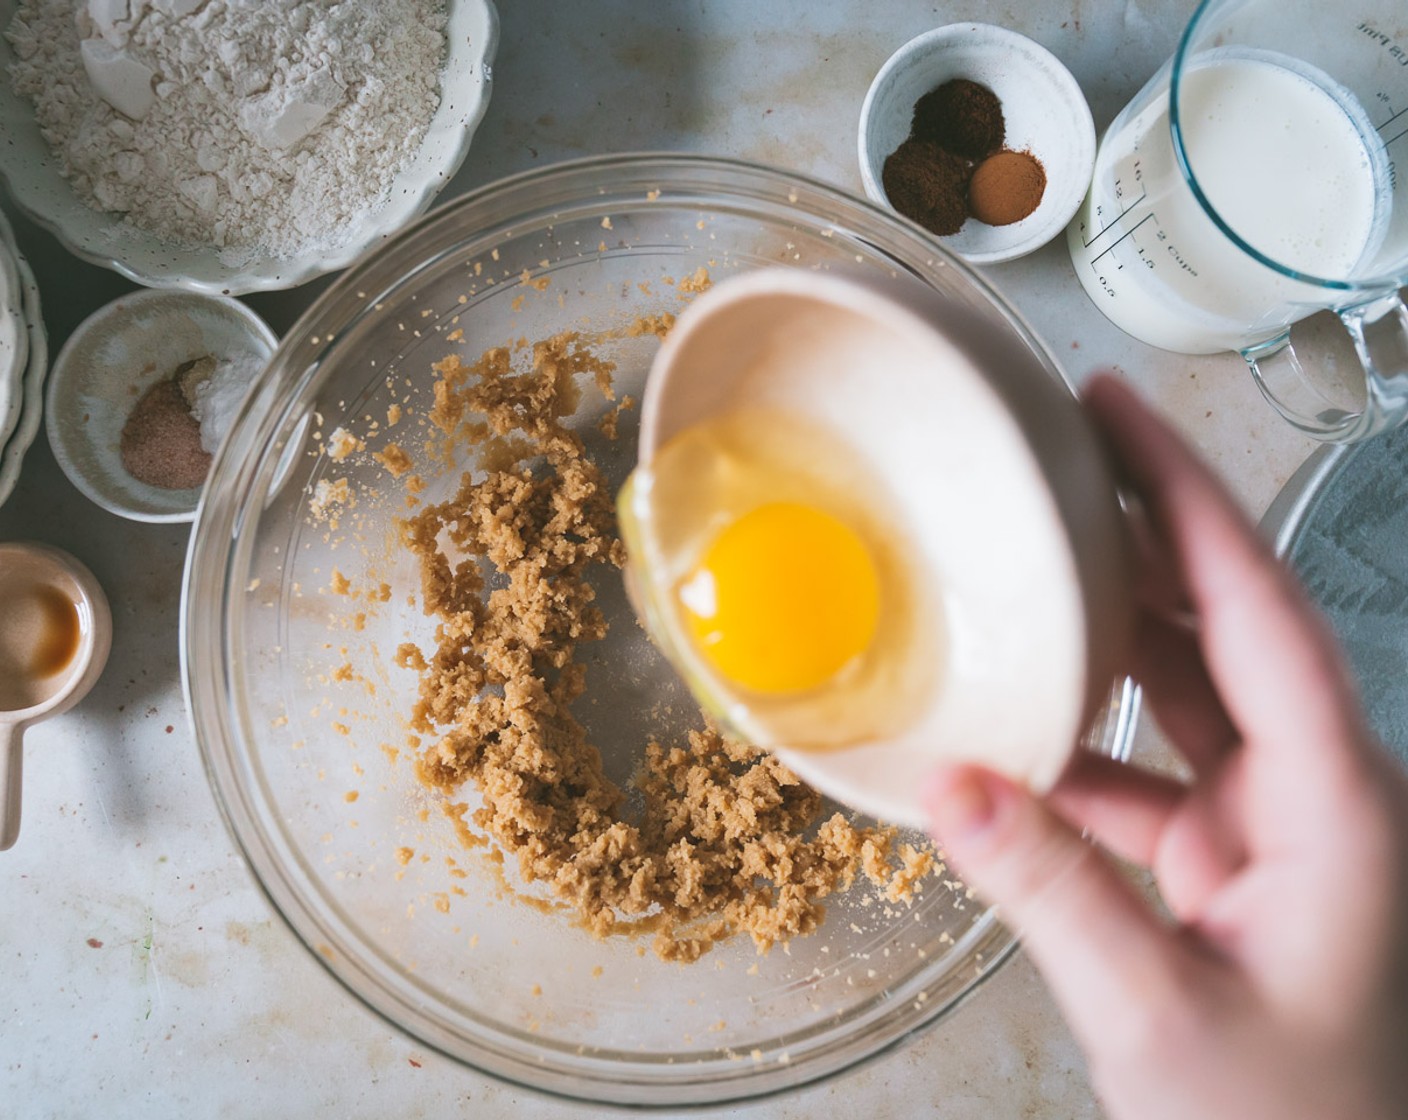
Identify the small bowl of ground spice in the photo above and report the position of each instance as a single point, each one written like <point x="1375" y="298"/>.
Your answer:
<point x="979" y="135"/>
<point x="142" y="394"/>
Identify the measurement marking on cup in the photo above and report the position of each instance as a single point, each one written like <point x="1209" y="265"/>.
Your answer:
<point x="1379" y="128"/>
<point x="1122" y="236"/>
<point x="1143" y="194"/>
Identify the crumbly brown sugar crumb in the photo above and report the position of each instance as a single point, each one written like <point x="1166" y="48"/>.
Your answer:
<point x="726" y="839"/>
<point x="394" y="458"/>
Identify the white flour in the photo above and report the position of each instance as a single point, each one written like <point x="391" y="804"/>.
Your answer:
<point x="257" y="126"/>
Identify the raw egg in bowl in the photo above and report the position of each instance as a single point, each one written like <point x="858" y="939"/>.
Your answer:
<point x="873" y="534"/>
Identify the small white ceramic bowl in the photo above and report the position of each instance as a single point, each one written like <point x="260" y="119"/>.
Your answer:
<point x="32" y="175"/>
<point x="115" y="356"/>
<point x="1042" y="105"/>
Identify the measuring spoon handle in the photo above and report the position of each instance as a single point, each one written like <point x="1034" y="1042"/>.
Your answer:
<point x="11" y="765"/>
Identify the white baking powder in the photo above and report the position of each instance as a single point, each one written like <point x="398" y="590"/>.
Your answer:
<point x="217" y="398"/>
<point x="256" y="126"/>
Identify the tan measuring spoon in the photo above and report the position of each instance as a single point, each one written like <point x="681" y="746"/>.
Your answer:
<point x="55" y="634"/>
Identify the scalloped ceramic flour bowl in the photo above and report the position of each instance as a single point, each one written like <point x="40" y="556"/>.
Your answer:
<point x="14" y="339"/>
<point x="1042" y="106"/>
<point x="298" y="593"/>
<point x="33" y="177"/>
<point x="28" y="403"/>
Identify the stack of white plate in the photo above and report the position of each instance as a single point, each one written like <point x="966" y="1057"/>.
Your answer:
<point x="24" y="359"/>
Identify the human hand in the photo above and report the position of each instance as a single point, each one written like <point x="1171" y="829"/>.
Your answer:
<point x="1278" y="989"/>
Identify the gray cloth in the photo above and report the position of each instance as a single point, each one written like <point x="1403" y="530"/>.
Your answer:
<point x="1351" y="549"/>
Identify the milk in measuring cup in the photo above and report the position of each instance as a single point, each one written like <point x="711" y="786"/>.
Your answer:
<point x="1288" y="159"/>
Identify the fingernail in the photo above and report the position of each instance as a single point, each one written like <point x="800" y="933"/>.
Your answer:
<point x="960" y="803"/>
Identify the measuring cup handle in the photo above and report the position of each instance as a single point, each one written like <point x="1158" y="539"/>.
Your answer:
<point x="1379" y="328"/>
<point x="11" y="763"/>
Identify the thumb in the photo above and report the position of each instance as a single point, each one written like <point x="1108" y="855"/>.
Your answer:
<point x="1102" y="951"/>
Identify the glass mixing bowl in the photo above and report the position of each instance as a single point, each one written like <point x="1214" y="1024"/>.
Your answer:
<point x="298" y="705"/>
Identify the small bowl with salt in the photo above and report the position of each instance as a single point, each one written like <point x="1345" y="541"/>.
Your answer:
<point x="981" y="136"/>
<point x="143" y="392"/>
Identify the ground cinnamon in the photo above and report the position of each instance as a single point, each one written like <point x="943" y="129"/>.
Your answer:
<point x="1006" y="187"/>
<point x="160" y="442"/>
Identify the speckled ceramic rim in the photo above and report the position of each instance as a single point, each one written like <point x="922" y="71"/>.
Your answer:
<point x="13" y="325"/>
<point x="213" y="667"/>
<point x="12" y="453"/>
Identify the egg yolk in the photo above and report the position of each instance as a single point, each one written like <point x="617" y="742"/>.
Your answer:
<point x="783" y="599"/>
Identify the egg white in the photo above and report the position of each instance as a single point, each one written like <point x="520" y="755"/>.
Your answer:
<point x="1007" y="512"/>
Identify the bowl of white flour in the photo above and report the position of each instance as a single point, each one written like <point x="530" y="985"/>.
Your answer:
<point x="225" y="146"/>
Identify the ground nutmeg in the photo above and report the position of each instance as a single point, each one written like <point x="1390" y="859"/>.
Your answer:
<point x="160" y="442"/>
<point x="1006" y="187"/>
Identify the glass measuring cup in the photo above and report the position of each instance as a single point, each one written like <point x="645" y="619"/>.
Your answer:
<point x="1251" y="183"/>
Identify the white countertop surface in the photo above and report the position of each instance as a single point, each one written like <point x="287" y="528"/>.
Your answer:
<point x="145" y="973"/>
